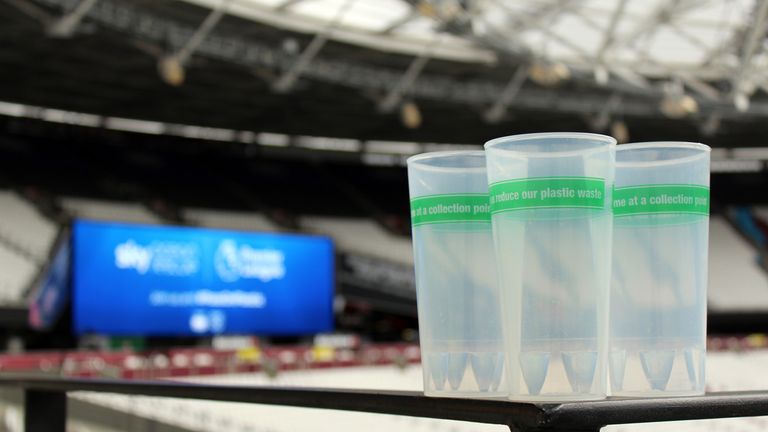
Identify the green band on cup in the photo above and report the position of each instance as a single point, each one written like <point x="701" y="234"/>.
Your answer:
<point x="547" y="192"/>
<point x="453" y="208"/>
<point x="661" y="199"/>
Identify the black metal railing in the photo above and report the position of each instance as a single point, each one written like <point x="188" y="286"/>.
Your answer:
<point x="45" y="404"/>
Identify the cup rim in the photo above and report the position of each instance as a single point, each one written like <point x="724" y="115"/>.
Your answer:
<point x="420" y="159"/>
<point x="492" y="145"/>
<point x="704" y="150"/>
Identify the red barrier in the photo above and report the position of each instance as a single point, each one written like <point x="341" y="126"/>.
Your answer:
<point x="179" y="362"/>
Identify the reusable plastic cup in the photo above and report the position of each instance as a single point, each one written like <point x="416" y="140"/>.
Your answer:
<point x="459" y="324"/>
<point x="659" y="283"/>
<point x="550" y="197"/>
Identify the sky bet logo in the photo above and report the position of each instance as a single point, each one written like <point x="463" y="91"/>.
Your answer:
<point x="130" y="255"/>
<point x="166" y="258"/>
<point x="233" y="262"/>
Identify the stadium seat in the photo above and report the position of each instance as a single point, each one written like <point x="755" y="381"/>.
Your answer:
<point x="16" y="273"/>
<point x="108" y="210"/>
<point x="736" y="281"/>
<point x="22" y="225"/>
<point x="362" y="236"/>
<point x="227" y="219"/>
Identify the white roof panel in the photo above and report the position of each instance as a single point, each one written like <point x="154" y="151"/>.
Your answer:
<point x="677" y="36"/>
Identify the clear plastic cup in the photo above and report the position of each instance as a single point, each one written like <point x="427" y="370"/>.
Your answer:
<point x="459" y="324"/>
<point x="659" y="282"/>
<point x="550" y="196"/>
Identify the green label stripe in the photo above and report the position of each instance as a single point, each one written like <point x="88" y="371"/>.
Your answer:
<point x="547" y="192"/>
<point x="450" y="209"/>
<point x="656" y="199"/>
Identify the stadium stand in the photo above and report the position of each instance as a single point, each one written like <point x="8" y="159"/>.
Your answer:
<point x="736" y="281"/>
<point x="16" y="273"/>
<point x="228" y="219"/>
<point x="25" y="228"/>
<point x="25" y="240"/>
<point x="362" y="236"/>
<point x="108" y="210"/>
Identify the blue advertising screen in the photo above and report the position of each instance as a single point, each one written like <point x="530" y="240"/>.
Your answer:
<point x="52" y="291"/>
<point x="158" y="280"/>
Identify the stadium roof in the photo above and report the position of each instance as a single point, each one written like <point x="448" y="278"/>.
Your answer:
<point x="653" y="37"/>
<point x="455" y="71"/>
<point x="388" y="25"/>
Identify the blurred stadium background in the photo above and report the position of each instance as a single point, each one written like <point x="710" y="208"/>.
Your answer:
<point x="296" y="116"/>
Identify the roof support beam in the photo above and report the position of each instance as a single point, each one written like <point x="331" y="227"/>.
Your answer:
<point x="667" y="11"/>
<point x="695" y="84"/>
<point x="601" y="119"/>
<point x="716" y="52"/>
<point x="701" y="87"/>
<point x="395" y="95"/>
<point x="405" y="19"/>
<point x="66" y="26"/>
<point x="600" y="69"/>
<point x="547" y="12"/>
<point x="521" y="23"/>
<point x="609" y="35"/>
<point x="630" y="77"/>
<point x="286" y="82"/>
<point x="287" y="4"/>
<point x="183" y="55"/>
<point x="755" y="35"/>
<point x="495" y="113"/>
<point x="688" y="36"/>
